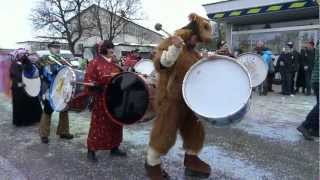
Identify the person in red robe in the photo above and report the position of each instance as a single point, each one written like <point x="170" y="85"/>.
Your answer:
<point x="104" y="134"/>
<point x="130" y="60"/>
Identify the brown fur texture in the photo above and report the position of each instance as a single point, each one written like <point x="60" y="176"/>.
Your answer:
<point x="172" y="112"/>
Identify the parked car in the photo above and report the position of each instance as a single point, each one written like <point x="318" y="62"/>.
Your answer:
<point x="64" y="53"/>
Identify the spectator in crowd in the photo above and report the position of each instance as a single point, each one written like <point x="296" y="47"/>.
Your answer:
<point x="300" y="83"/>
<point x="267" y="57"/>
<point x="271" y="74"/>
<point x="310" y="127"/>
<point x="308" y="58"/>
<point x="287" y="65"/>
<point x="223" y="49"/>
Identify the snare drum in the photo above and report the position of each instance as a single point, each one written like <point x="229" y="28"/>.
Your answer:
<point x="65" y="94"/>
<point x="126" y="98"/>
<point x="256" y="67"/>
<point x="32" y="81"/>
<point x="144" y="66"/>
<point x="217" y="90"/>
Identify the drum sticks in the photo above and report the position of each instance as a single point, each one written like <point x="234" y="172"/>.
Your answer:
<point x="158" y="27"/>
<point x="84" y="83"/>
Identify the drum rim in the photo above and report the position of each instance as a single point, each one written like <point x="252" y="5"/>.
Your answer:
<point x="105" y="99"/>
<point x="36" y="70"/>
<point x="50" y="90"/>
<point x="210" y="59"/>
<point x="259" y="56"/>
<point x="31" y="79"/>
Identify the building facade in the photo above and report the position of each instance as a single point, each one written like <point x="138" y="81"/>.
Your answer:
<point x="39" y="45"/>
<point x="275" y="22"/>
<point x="132" y="36"/>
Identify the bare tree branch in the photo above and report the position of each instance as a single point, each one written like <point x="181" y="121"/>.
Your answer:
<point x="53" y="16"/>
<point x="119" y="14"/>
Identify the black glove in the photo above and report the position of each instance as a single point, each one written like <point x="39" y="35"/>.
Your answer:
<point x="96" y="89"/>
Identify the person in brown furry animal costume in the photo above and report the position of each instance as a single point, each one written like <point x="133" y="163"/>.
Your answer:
<point x="173" y="58"/>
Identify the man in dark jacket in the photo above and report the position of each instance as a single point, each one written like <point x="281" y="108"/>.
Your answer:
<point x="287" y="65"/>
<point x="308" y="58"/>
<point x="310" y="127"/>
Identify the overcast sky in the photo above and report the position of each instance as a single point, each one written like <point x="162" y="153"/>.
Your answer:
<point x="16" y="26"/>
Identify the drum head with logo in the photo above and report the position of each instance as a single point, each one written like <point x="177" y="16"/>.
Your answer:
<point x="32" y="81"/>
<point x="144" y="66"/>
<point x="256" y="67"/>
<point x="126" y="98"/>
<point x="61" y="89"/>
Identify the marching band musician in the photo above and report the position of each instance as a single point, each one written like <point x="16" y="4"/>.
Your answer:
<point x="49" y="66"/>
<point x="26" y="110"/>
<point x="223" y="49"/>
<point x="104" y="134"/>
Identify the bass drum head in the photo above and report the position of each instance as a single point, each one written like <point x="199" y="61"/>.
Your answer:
<point x="126" y="98"/>
<point x="32" y="82"/>
<point x="216" y="89"/>
<point x="256" y="67"/>
<point x="144" y="66"/>
<point x="62" y="89"/>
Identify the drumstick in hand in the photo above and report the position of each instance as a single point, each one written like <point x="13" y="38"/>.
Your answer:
<point x="84" y="83"/>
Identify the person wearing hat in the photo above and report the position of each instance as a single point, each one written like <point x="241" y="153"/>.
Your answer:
<point x="49" y="67"/>
<point x="287" y="65"/>
<point x="26" y="110"/>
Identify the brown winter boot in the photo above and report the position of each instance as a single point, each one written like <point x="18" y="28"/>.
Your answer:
<point x="155" y="172"/>
<point x="194" y="166"/>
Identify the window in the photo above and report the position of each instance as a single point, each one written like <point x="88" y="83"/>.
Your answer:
<point x="275" y="41"/>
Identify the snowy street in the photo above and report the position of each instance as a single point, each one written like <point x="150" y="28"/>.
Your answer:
<point x="265" y="145"/>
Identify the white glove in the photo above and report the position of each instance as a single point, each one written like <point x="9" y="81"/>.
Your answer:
<point x="168" y="58"/>
<point x="305" y="67"/>
<point x="281" y="63"/>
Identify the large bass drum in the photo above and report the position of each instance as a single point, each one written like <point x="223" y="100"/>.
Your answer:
<point x="256" y="67"/>
<point x="144" y="66"/>
<point x="32" y="81"/>
<point x="126" y="98"/>
<point x="65" y="94"/>
<point x="217" y="90"/>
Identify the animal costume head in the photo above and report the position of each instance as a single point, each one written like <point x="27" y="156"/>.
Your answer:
<point x="198" y="26"/>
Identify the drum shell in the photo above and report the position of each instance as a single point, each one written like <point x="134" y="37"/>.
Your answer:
<point x="150" y="113"/>
<point x="228" y="120"/>
<point x="79" y="101"/>
<point x="231" y="118"/>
